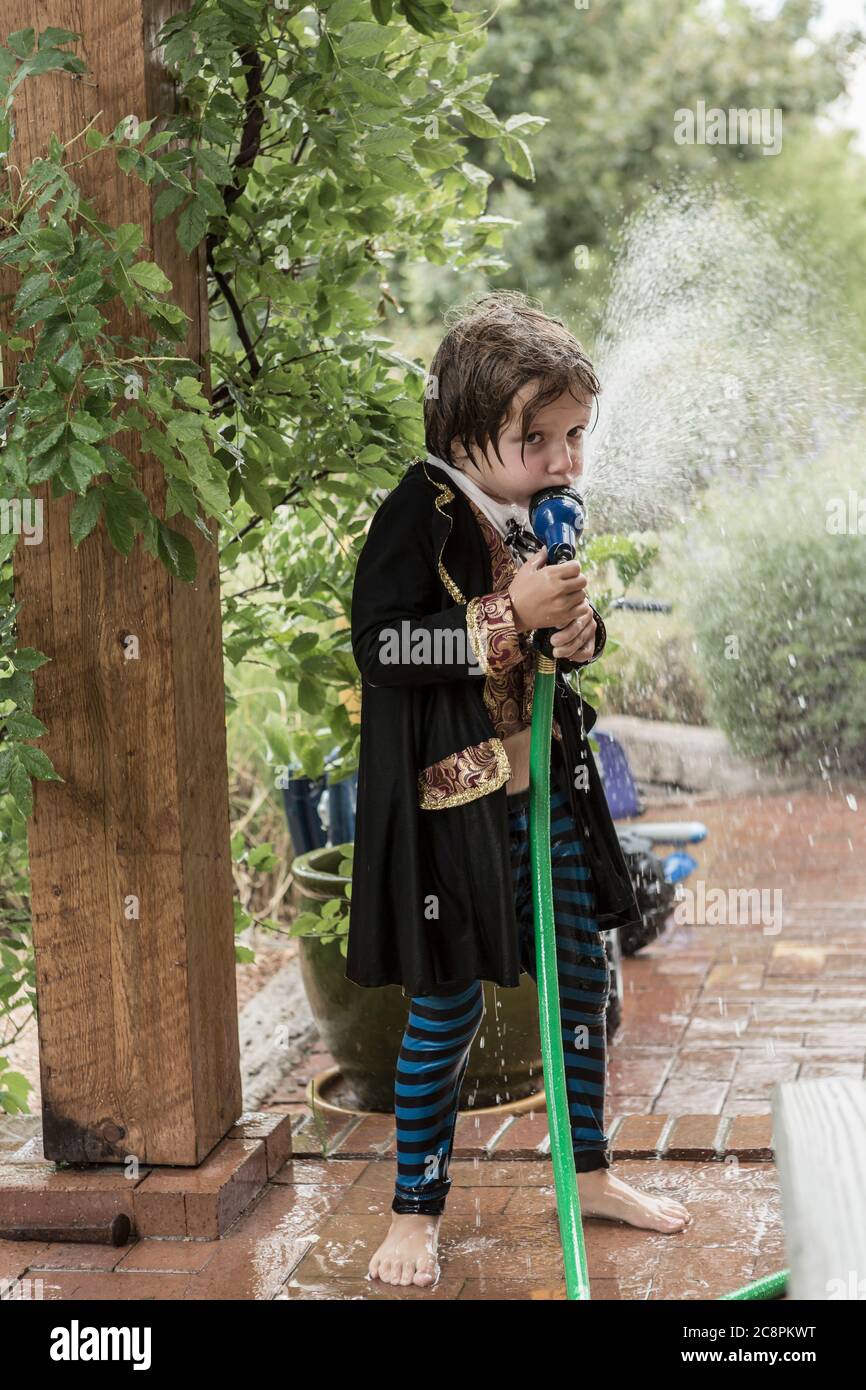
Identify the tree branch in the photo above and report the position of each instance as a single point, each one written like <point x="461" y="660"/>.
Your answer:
<point x="254" y="119"/>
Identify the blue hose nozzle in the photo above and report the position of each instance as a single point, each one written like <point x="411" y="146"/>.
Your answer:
<point x="557" y="516"/>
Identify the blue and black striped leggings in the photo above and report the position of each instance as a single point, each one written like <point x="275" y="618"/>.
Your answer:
<point x="441" y="1027"/>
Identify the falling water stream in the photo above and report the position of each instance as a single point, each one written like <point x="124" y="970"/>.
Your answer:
<point x="718" y="352"/>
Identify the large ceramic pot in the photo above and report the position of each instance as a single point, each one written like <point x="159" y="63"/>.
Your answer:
<point x="363" y="1028"/>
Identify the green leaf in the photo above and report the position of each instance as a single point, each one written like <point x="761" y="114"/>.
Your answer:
<point x="53" y="38"/>
<point x="19" y="688"/>
<point x="56" y="240"/>
<point x="128" y="238"/>
<point x="210" y="197"/>
<point x="29" y="659"/>
<point x="63" y="380"/>
<point x="257" y="495"/>
<point x="86" y="286"/>
<point x="127" y="159"/>
<point x="342" y="12"/>
<point x="428" y="16"/>
<point x="88" y="322"/>
<point x="526" y="123"/>
<point x="518" y="157"/>
<point x="171" y="315"/>
<point x="22" y="725"/>
<point x="84" y="516"/>
<point x="21" y="789"/>
<point x="364" y="40"/>
<point x="479" y="119"/>
<point x="72" y="359"/>
<point x="382" y="142"/>
<point x="86" y="427"/>
<point x="373" y="86"/>
<point x="168" y="200"/>
<point x="156" y="142"/>
<point x="213" y="492"/>
<point x="22" y="42"/>
<point x="189" y="389"/>
<point x="14" y="463"/>
<point x="117" y="519"/>
<point x="48" y="466"/>
<point x="192" y="225"/>
<point x="84" y="463"/>
<point x="39" y="310"/>
<point x="45" y="439"/>
<point x="214" y="165"/>
<point x="176" y="552"/>
<point x="38" y="764"/>
<point x="31" y="288"/>
<point x="308" y="696"/>
<point x="262" y="857"/>
<point x="180" y="497"/>
<point x="149" y="276"/>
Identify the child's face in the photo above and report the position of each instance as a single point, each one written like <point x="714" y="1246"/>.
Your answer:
<point x="553" y="456"/>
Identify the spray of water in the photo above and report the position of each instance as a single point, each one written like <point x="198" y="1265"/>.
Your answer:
<point x="715" y="355"/>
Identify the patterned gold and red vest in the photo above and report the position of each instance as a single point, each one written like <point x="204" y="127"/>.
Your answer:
<point x="507" y="659"/>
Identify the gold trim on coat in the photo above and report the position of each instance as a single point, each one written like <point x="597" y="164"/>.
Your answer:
<point x="445" y="768"/>
<point x="445" y="496"/>
<point x="453" y="771"/>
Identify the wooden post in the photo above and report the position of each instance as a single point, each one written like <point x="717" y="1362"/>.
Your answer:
<point x="131" y="867"/>
<point x="819" y="1138"/>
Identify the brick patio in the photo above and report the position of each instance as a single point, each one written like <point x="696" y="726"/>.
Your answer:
<point x="715" y="1017"/>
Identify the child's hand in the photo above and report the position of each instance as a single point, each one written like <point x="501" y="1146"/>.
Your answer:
<point x="576" y="641"/>
<point x="545" y="595"/>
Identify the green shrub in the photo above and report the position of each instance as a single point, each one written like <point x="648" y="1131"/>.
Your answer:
<point x="777" y="602"/>
<point x="654" y="674"/>
<point x="650" y="667"/>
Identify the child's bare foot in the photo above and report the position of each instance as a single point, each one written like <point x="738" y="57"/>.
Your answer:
<point x="601" y="1193"/>
<point x="407" y="1255"/>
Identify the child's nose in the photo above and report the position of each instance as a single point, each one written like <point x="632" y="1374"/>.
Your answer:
<point x="559" y="480"/>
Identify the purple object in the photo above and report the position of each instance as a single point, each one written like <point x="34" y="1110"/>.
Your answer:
<point x="620" y="787"/>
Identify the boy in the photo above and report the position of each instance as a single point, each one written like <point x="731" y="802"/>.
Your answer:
<point x="449" y="590"/>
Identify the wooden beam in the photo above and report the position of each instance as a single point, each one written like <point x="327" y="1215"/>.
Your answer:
<point x="137" y="1014"/>
<point x="819" y="1137"/>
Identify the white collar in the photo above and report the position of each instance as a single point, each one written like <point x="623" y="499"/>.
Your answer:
<point x="498" y="513"/>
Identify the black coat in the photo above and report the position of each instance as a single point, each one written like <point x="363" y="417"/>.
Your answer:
<point x="432" y="898"/>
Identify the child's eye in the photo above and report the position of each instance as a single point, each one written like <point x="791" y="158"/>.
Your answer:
<point x="535" y="435"/>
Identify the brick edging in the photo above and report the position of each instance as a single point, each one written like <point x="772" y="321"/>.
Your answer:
<point x="697" y="1138"/>
<point x="692" y="1138"/>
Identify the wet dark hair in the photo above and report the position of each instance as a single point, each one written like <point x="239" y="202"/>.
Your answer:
<point x="494" y="347"/>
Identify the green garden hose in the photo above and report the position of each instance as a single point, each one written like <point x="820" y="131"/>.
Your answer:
<point x="771" y="1286"/>
<point x="550" y="1023"/>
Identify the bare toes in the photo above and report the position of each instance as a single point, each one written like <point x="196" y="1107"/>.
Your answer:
<point x="677" y="1209"/>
